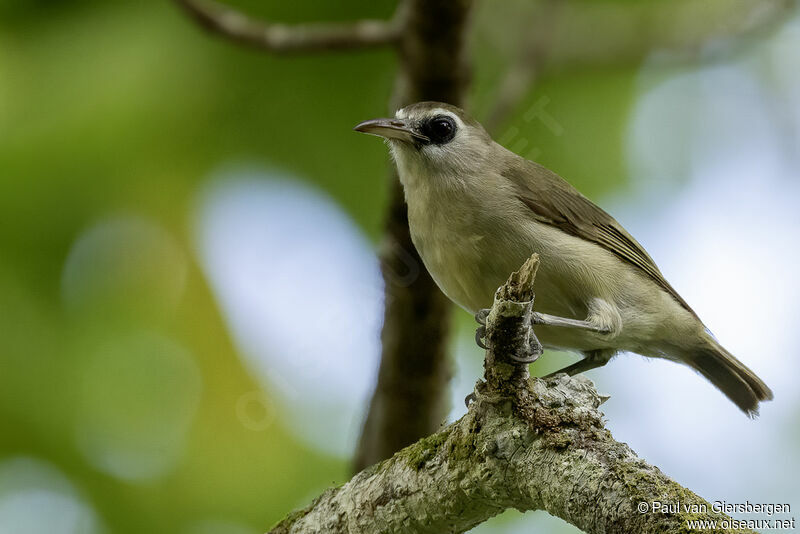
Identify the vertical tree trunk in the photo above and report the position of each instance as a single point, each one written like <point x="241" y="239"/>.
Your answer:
<point x="410" y="398"/>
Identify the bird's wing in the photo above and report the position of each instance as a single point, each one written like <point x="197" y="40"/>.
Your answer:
<point x="555" y="202"/>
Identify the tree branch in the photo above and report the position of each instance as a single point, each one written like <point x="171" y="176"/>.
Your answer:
<point x="237" y="26"/>
<point x="525" y="444"/>
<point x="430" y="36"/>
<point x="570" y="35"/>
<point x="520" y="77"/>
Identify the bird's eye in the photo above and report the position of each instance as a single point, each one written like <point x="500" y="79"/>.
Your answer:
<point x="440" y="129"/>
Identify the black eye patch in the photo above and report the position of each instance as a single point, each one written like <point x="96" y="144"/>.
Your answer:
<point x="439" y="129"/>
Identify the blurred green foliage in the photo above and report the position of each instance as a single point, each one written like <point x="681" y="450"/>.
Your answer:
<point x="123" y="109"/>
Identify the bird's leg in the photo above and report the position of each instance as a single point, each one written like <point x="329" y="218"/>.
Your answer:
<point x="592" y="360"/>
<point x="552" y="320"/>
<point x="480" y="333"/>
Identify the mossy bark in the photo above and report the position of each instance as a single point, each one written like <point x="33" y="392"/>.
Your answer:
<point x="528" y="444"/>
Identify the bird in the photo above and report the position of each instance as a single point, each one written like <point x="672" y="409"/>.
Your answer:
<point x="477" y="211"/>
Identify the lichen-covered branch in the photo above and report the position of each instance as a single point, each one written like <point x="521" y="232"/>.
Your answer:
<point x="235" y="25"/>
<point x="524" y="444"/>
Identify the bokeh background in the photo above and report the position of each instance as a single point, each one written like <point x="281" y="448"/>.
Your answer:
<point x="190" y="300"/>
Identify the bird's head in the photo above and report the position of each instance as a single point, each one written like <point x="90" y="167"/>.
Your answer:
<point x="432" y="138"/>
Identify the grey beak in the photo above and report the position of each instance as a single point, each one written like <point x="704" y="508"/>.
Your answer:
<point x="390" y="129"/>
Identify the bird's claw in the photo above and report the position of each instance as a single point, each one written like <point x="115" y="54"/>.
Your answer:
<point x="535" y="350"/>
<point x="480" y="333"/>
<point x="481" y="315"/>
<point x="525" y="359"/>
<point x="469" y="399"/>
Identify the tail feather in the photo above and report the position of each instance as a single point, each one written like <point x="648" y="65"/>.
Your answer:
<point x="729" y="375"/>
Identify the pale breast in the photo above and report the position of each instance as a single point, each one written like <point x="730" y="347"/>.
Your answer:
<point x="458" y="265"/>
<point x="470" y="255"/>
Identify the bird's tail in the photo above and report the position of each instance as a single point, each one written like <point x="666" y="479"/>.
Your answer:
<point x="729" y="375"/>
